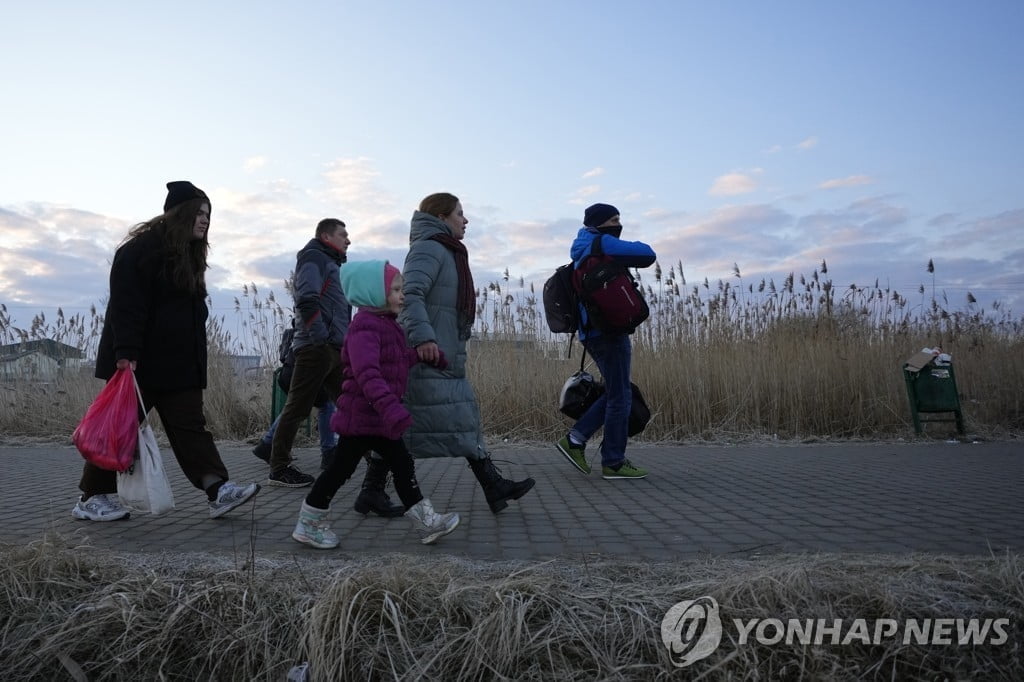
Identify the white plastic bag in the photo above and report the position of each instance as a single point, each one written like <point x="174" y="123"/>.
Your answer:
<point x="144" y="486"/>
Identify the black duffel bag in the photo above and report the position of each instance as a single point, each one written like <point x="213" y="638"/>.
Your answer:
<point x="582" y="390"/>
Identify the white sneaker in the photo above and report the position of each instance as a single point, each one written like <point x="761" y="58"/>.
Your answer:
<point x="100" y="508"/>
<point x="431" y="524"/>
<point x="230" y="496"/>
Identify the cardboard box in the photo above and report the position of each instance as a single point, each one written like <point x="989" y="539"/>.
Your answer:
<point x="919" y="361"/>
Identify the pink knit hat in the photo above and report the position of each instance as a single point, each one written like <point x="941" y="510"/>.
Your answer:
<point x="389" y="276"/>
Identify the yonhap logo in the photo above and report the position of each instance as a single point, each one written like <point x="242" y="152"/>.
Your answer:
<point x="691" y="630"/>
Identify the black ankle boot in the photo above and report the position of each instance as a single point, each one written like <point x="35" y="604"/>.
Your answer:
<point x="372" y="496"/>
<point x="498" y="490"/>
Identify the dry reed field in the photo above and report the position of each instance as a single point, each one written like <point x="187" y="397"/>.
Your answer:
<point x="801" y="359"/>
<point x="69" y="613"/>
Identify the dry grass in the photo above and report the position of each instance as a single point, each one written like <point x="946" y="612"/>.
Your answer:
<point x="795" y="361"/>
<point x="67" y="610"/>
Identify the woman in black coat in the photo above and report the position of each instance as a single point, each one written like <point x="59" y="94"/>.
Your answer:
<point x="156" y="324"/>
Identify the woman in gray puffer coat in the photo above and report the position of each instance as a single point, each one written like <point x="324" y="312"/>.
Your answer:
<point x="440" y="306"/>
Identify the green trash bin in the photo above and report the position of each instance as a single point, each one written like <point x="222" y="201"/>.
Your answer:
<point x="931" y="389"/>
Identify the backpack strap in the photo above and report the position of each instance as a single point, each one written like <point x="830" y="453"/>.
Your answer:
<point x="596" y="251"/>
<point x="572" y="337"/>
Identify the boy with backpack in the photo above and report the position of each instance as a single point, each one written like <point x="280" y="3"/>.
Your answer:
<point x="605" y="324"/>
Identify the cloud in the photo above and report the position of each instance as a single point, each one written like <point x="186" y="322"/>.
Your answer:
<point x="664" y="215"/>
<point x="733" y="184"/>
<point x="580" y="195"/>
<point x="809" y="143"/>
<point x="255" y="235"/>
<point x="526" y="248"/>
<point x="56" y="256"/>
<point x="848" y="181"/>
<point x="593" y="172"/>
<point x="710" y="243"/>
<point x="981" y="237"/>
<point x="943" y="220"/>
<point x="868" y="220"/>
<point x="354" y="183"/>
<point x="254" y="163"/>
<point x="354" y="192"/>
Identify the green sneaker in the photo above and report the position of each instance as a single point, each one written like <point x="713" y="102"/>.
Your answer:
<point x="574" y="453"/>
<point x="625" y="470"/>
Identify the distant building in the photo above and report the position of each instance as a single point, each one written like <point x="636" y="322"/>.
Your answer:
<point x="39" y="360"/>
<point x="248" y="366"/>
<point x="526" y="344"/>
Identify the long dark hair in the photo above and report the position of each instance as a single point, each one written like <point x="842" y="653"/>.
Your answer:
<point x="184" y="257"/>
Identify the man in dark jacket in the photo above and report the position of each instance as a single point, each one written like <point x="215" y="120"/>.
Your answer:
<point x="322" y="315"/>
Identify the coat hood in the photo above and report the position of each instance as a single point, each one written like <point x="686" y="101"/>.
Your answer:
<point x="425" y="226"/>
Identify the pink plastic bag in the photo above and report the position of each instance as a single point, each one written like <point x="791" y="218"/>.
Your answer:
<point x="109" y="432"/>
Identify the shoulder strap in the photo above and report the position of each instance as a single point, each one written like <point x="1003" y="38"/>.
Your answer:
<point x="596" y="249"/>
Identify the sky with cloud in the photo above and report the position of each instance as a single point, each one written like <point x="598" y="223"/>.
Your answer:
<point x="875" y="136"/>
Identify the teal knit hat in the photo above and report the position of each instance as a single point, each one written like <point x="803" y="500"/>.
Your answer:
<point x="365" y="282"/>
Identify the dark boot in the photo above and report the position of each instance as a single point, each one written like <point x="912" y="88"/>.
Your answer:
<point x="498" y="490"/>
<point x="372" y="497"/>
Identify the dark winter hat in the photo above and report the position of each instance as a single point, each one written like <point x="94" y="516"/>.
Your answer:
<point x="180" y="191"/>
<point x="598" y="214"/>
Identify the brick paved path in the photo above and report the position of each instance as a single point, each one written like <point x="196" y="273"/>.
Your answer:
<point x="738" y="501"/>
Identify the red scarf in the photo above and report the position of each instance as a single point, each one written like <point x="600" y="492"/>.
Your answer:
<point x="466" y="302"/>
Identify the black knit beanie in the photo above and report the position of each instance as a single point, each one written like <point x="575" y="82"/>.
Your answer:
<point x="180" y="191"/>
<point x="598" y="214"/>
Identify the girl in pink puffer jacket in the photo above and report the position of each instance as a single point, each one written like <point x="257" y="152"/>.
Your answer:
<point x="375" y="365"/>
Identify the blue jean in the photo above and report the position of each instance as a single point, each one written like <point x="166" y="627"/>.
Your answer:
<point x="328" y="438"/>
<point x="613" y="354"/>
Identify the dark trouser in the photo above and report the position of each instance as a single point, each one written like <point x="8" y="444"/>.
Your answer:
<point x="181" y="414"/>
<point x="613" y="354"/>
<point x="315" y="367"/>
<point x="349" y="452"/>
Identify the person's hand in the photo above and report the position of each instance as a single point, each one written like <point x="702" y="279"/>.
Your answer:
<point x="442" y="362"/>
<point x="125" y="363"/>
<point x="428" y="352"/>
<point x="397" y="430"/>
<point x="397" y="421"/>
